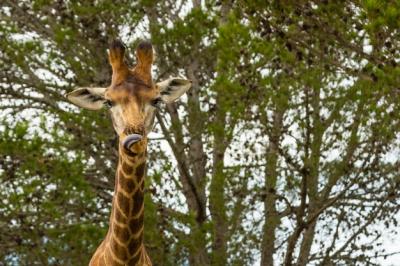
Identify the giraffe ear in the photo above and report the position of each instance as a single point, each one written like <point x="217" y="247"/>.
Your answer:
<point x="173" y="88"/>
<point x="88" y="98"/>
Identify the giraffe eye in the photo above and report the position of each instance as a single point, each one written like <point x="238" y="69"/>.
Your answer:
<point x="109" y="104"/>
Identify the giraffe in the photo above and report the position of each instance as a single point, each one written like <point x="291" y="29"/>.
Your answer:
<point x="132" y="99"/>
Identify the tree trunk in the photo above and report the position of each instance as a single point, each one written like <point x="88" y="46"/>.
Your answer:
<point x="271" y="216"/>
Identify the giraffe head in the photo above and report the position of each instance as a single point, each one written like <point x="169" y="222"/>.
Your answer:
<point x="132" y="96"/>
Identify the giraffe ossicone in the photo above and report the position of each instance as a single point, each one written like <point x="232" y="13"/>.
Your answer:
<point x="132" y="99"/>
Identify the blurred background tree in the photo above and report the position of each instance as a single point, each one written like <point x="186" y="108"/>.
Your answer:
<point x="285" y="151"/>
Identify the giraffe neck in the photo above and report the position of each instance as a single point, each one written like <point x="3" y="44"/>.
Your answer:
<point x="125" y="236"/>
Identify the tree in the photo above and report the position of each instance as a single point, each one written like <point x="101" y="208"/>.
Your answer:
<point x="284" y="152"/>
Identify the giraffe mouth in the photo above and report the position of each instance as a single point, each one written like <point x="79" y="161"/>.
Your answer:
<point x="130" y="140"/>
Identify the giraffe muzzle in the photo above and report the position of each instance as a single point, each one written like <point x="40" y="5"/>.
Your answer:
<point x="130" y="140"/>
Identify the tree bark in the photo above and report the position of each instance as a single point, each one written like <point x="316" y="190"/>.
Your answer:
<point x="271" y="216"/>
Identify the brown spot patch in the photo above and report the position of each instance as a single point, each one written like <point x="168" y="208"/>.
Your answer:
<point x="119" y="217"/>
<point x="140" y="171"/>
<point x="124" y="203"/>
<point x="136" y="224"/>
<point x="110" y="260"/>
<point x="122" y="233"/>
<point x="137" y="202"/>
<point x="118" y="250"/>
<point x="134" y="260"/>
<point x="127" y="168"/>
<point x="126" y="184"/>
<point x="135" y="244"/>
